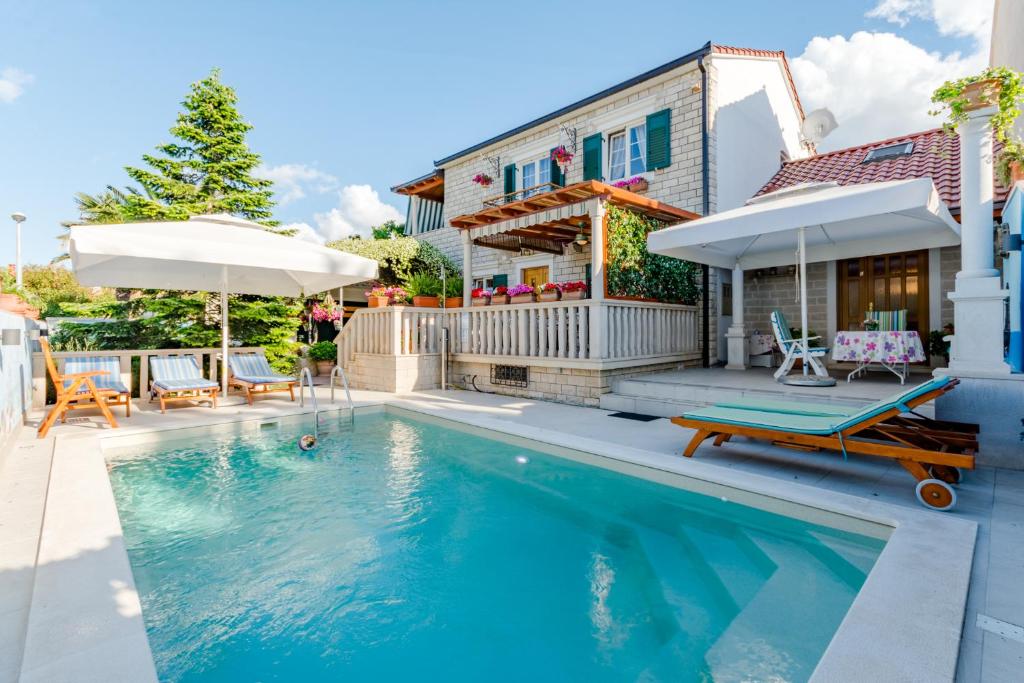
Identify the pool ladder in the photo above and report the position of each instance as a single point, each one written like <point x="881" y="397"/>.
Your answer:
<point x="306" y="379"/>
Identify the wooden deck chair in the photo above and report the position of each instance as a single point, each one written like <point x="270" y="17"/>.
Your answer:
<point x="87" y="382"/>
<point x="931" y="450"/>
<point x="253" y="373"/>
<point x="794" y="348"/>
<point x="178" y="378"/>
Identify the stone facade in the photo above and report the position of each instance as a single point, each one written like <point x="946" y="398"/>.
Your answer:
<point x="949" y="259"/>
<point x="395" y="374"/>
<point x="764" y="294"/>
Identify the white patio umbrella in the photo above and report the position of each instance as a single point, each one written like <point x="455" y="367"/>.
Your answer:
<point x="210" y="253"/>
<point x="823" y="221"/>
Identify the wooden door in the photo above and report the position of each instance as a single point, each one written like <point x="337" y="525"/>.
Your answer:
<point x="534" y="277"/>
<point x="890" y="282"/>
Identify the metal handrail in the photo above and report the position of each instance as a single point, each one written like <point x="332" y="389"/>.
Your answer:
<point x="338" y="370"/>
<point x="306" y="378"/>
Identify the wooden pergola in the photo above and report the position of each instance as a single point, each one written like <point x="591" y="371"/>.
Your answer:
<point x="549" y="220"/>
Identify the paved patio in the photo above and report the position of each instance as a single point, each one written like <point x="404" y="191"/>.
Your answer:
<point x="993" y="499"/>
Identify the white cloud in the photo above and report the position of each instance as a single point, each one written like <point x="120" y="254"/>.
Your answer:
<point x="359" y="209"/>
<point x="292" y="181"/>
<point x="879" y="84"/>
<point x="12" y="83"/>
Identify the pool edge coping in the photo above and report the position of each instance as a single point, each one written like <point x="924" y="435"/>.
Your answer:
<point x="906" y="621"/>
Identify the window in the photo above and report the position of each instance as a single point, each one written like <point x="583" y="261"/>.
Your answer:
<point x="535" y="173"/>
<point x="486" y="282"/>
<point x="890" y="152"/>
<point x="627" y="152"/>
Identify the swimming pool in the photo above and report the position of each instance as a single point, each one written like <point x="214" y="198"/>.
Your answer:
<point x="405" y="549"/>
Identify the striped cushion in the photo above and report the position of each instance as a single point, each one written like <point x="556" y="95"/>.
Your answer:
<point x="184" y="384"/>
<point x="265" y="379"/>
<point x="785" y="337"/>
<point x="889" y="321"/>
<point x="174" y="368"/>
<point x="110" y="365"/>
<point x="249" y="365"/>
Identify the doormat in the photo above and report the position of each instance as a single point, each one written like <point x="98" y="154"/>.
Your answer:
<point x="635" y="416"/>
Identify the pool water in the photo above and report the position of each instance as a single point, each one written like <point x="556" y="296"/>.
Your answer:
<point x="404" y="550"/>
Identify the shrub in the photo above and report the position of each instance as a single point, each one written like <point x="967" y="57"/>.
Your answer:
<point x="398" y="258"/>
<point x="635" y="272"/>
<point x="453" y="287"/>
<point x="323" y="351"/>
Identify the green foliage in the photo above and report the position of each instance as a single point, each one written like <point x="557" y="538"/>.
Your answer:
<point x="208" y="169"/>
<point x="56" y="286"/>
<point x="387" y="230"/>
<point x="398" y="258"/>
<point x="952" y="102"/>
<point x="422" y="284"/>
<point x="175" y="320"/>
<point x="324" y="350"/>
<point x="635" y="272"/>
<point x="453" y="287"/>
<point x="937" y="346"/>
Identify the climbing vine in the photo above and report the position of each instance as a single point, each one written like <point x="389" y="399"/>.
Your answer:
<point x="635" y="272"/>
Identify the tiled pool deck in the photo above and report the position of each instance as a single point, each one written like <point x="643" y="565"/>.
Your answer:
<point x="44" y="566"/>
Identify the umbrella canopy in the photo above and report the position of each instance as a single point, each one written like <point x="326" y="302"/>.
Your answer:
<point x="842" y="221"/>
<point x="822" y="222"/>
<point x="193" y="254"/>
<point x="210" y="253"/>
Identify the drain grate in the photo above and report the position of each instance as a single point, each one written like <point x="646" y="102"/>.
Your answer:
<point x="635" y="416"/>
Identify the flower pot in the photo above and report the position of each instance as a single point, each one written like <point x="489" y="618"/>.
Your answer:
<point x="552" y="295"/>
<point x="480" y="301"/>
<point x="498" y="299"/>
<point x="637" y="187"/>
<point x="324" y="367"/>
<point x="453" y="302"/>
<point x="574" y="295"/>
<point x="377" y="301"/>
<point x="982" y="94"/>
<point x="522" y="299"/>
<point x="426" y="302"/>
<point x="1016" y="172"/>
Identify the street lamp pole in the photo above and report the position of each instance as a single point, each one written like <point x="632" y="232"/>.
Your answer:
<point x="19" y="218"/>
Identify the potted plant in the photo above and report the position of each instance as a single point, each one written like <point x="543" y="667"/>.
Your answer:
<point x="549" y="291"/>
<point x="378" y="297"/>
<point x="573" y="290"/>
<point x="561" y="156"/>
<point x="480" y="296"/>
<point x="499" y="295"/>
<point x="425" y="290"/>
<point x="483" y="180"/>
<point x="635" y="184"/>
<point x="324" y="354"/>
<point x="453" y="292"/>
<point x="1010" y="164"/>
<point x="521" y="294"/>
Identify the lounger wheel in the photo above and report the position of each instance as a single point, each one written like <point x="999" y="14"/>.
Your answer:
<point x="936" y="494"/>
<point x="947" y="473"/>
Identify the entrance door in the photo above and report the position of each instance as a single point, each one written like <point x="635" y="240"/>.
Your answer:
<point x="890" y="282"/>
<point x="534" y="277"/>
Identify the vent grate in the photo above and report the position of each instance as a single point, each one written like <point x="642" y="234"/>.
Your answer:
<point x="510" y="375"/>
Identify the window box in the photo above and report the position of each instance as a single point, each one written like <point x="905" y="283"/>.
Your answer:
<point x="499" y="299"/>
<point x="553" y="295"/>
<point x="480" y="301"/>
<point x="573" y="295"/>
<point x="453" y="302"/>
<point x="523" y="298"/>
<point x="639" y="185"/>
<point x="426" y="301"/>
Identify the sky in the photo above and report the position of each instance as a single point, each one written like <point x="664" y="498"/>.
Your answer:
<point x="350" y="98"/>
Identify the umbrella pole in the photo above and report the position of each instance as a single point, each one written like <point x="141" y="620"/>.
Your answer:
<point x="224" y="332"/>
<point x="803" y="294"/>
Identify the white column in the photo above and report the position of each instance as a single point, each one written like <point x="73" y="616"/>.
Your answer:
<point x="978" y="300"/>
<point x="736" y="336"/>
<point x="224" y="331"/>
<point x="467" y="268"/>
<point x="414" y="209"/>
<point x="598" y="318"/>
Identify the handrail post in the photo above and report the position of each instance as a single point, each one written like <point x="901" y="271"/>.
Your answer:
<point x="340" y="371"/>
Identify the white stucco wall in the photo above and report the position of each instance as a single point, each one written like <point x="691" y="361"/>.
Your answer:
<point x="755" y="120"/>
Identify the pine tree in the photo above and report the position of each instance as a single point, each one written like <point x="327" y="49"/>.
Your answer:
<point x="209" y="169"/>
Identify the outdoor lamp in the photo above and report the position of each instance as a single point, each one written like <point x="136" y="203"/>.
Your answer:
<point x="19" y="218"/>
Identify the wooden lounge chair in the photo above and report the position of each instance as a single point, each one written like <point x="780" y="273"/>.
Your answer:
<point x="933" y="451"/>
<point x="252" y="372"/>
<point x="178" y="378"/>
<point x="87" y="382"/>
<point x="794" y="348"/>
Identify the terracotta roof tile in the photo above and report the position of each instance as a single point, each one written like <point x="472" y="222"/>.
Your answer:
<point x="936" y="155"/>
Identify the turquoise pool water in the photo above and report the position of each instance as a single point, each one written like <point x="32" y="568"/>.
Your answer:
<point x="403" y="550"/>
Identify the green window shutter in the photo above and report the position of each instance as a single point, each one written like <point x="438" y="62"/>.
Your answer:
<point x="510" y="180"/>
<point x="659" y="139"/>
<point x="500" y="280"/>
<point x="592" y="157"/>
<point x="556" y="173"/>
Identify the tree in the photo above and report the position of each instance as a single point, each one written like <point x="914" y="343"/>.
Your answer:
<point x="388" y="229"/>
<point x="209" y="169"/>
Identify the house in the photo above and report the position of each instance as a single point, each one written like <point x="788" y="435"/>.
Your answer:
<point x="842" y="290"/>
<point x="698" y="134"/>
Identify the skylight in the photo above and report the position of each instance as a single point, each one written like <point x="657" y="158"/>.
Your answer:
<point x="890" y="152"/>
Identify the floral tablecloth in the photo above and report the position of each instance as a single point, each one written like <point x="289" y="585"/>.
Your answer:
<point x="887" y="348"/>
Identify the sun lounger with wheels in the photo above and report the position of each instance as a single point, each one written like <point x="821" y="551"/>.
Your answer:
<point x="252" y="372"/>
<point x="178" y="378"/>
<point x="933" y="451"/>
